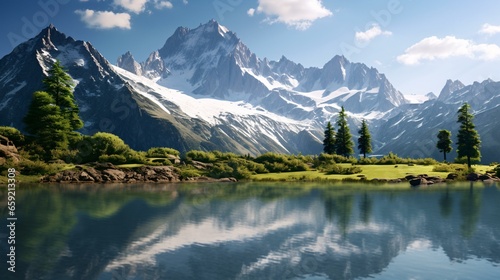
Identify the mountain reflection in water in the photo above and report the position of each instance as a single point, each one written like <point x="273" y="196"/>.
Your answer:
<point x="255" y="231"/>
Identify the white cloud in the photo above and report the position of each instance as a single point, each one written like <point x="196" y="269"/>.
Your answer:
<point x="432" y="48"/>
<point x="136" y="6"/>
<point x="370" y="34"/>
<point x="185" y="2"/>
<point x="163" y="4"/>
<point x="299" y="14"/>
<point x="104" y="20"/>
<point x="489" y="29"/>
<point x="251" y="12"/>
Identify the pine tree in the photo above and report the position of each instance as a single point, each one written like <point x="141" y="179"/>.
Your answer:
<point x="468" y="142"/>
<point x="59" y="85"/>
<point x="444" y="142"/>
<point x="46" y="123"/>
<point x="329" y="141"/>
<point x="364" y="140"/>
<point x="343" y="140"/>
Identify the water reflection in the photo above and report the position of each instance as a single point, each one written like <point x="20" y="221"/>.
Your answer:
<point x="253" y="231"/>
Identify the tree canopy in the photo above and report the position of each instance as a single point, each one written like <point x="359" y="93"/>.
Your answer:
<point x="343" y="140"/>
<point x="365" y="139"/>
<point x="444" y="142"/>
<point x="329" y="141"/>
<point x="468" y="142"/>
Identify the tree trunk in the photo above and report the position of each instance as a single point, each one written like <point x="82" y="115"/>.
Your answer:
<point x="468" y="162"/>
<point x="444" y="153"/>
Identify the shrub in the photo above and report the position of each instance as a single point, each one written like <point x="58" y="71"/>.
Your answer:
<point x="449" y="168"/>
<point x="337" y="169"/>
<point x="28" y="167"/>
<point x="13" y="134"/>
<point x="186" y="173"/>
<point x="206" y="157"/>
<point x="497" y="170"/>
<point x="275" y="162"/>
<point x="162" y="152"/>
<point x="114" y="159"/>
<point x="463" y="160"/>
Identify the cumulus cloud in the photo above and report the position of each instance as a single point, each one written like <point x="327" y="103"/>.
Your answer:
<point x="163" y="4"/>
<point x="104" y="19"/>
<point x="370" y="34"/>
<point x="489" y="29"/>
<point x="432" y="48"/>
<point x="136" y="6"/>
<point x="299" y="14"/>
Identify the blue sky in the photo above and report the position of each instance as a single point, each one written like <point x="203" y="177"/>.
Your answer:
<point x="417" y="44"/>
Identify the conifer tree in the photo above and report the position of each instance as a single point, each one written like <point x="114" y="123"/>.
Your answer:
<point x="59" y="85"/>
<point x="45" y="122"/>
<point x="343" y="140"/>
<point x="329" y="141"/>
<point x="444" y="142"/>
<point x="468" y="142"/>
<point x="364" y="140"/>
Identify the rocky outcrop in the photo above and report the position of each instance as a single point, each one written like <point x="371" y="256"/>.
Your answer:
<point x="8" y="151"/>
<point x="108" y="173"/>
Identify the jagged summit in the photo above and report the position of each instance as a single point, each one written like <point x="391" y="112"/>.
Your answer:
<point x="449" y="88"/>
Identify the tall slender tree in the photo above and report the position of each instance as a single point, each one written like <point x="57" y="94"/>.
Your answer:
<point x="329" y="141"/>
<point x="343" y="140"/>
<point x="444" y="142"/>
<point x="365" y="139"/>
<point x="468" y="142"/>
<point x="45" y="122"/>
<point x="60" y="86"/>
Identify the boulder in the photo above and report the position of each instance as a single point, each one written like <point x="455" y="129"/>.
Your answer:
<point x="473" y="177"/>
<point x="418" y="181"/>
<point x="452" y="176"/>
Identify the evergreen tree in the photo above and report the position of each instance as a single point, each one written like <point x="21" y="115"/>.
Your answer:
<point x="46" y="123"/>
<point x="364" y="140"/>
<point x="468" y="144"/>
<point x="343" y="140"/>
<point x="329" y="141"/>
<point x="59" y="85"/>
<point x="444" y="142"/>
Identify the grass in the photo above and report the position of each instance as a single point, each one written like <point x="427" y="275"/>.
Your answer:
<point x="369" y="171"/>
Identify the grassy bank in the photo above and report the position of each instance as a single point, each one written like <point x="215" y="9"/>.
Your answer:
<point x="370" y="172"/>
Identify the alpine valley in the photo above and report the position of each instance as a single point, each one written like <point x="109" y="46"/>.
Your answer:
<point x="204" y="89"/>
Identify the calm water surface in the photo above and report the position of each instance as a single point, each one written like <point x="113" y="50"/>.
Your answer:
<point x="254" y="231"/>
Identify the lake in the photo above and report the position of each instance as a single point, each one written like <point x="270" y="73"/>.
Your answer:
<point x="254" y="231"/>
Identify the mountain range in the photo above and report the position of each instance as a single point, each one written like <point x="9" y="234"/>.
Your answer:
<point x="205" y="89"/>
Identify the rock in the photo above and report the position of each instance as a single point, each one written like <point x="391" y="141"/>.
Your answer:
<point x="85" y="177"/>
<point x="114" y="174"/>
<point x="410" y="177"/>
<point x="8" y="151"/>
<point x="418" y="181"/>
<point x="452" y="176"/>
<point x="473" y="176"/>
<point x="485" y="177"/>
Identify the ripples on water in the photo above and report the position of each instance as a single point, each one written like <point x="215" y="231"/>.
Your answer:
<point x="256" y="231"/>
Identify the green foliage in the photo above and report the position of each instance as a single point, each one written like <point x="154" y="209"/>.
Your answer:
<point x="275" y="162"/>
<point x="449" y="167"/>
<point x="28" y="167"/>
<point x="468" y="142"/>
<point x="188" y="172"/>
<point x="324" y="160"/>
<point x="114" y="159"/>
<point x="206" y="157"/>
<point x="466" y="160"/>
<point x="45" y="122"/>
<point x="497" y="171"/>
<point x="444" y="142"/>
<point x="60" y="87"/>
<point x="364" y="140"/>
<point x="337" y="169"/>
<point x="343" y="139"/>
<point x="329" y="141"/>
<point x="13" y="134"/>
<point x="162" y="152"/>
<point x="368" y="160"/>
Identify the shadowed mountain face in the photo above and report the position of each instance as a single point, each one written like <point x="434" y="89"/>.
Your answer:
<point x="253" y="231"/>
<point x="204" y="89"/>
